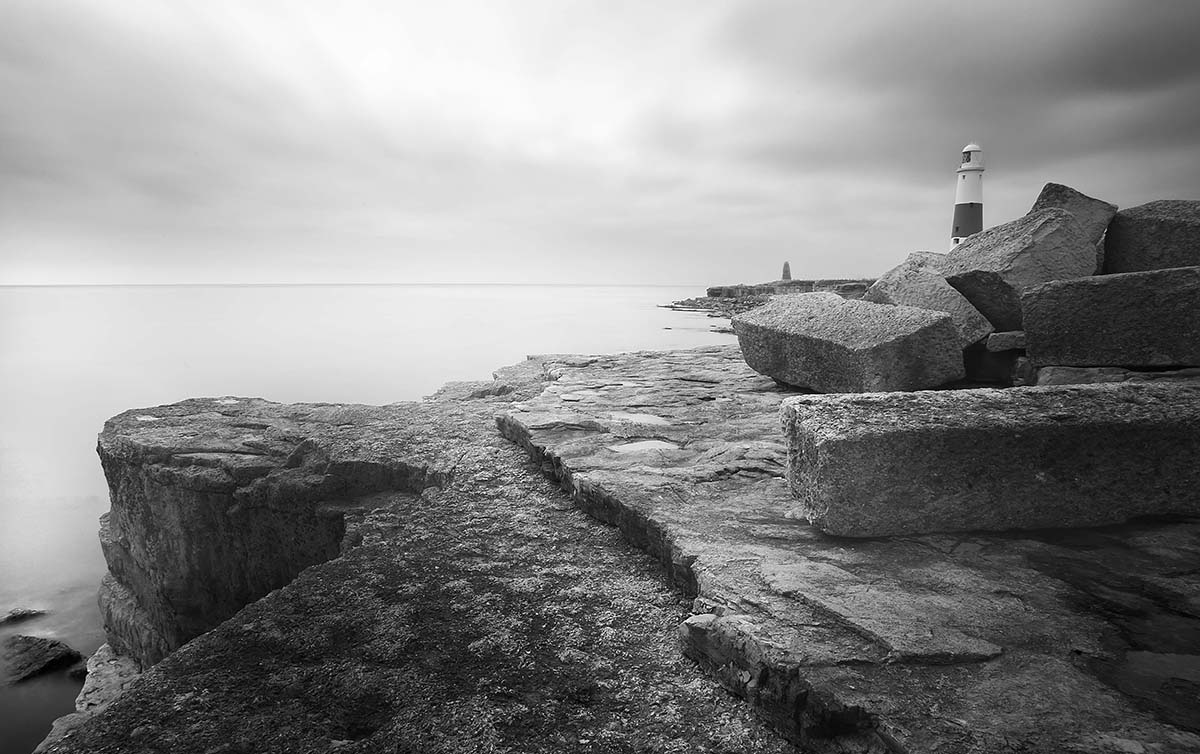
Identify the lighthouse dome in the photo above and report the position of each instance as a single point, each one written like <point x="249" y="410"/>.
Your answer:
<point x="972" y="147"/>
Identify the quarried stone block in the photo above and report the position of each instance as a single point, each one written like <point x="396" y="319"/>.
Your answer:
<point x="1136" y="319"/>
<point x="915" y="282"/>
<point x="829" y="344"/>
<point x="992" y="267"/>
<point x="1154" y="236"/>
<point x="986" y="459"/>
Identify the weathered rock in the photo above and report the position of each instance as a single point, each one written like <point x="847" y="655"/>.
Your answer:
<point x="216" y="502"/>
<point x="992" y="267"/>
<point x="20" y="615"/>
<point x="917" y="283"/>
<point x="1136" y="319"/>
<point x="1013" y="340"/>
<point x="823" y="342"/>
<point x="25" y="657"/>
<point x="1154" y="236"/>
<point x="1093" y="215"/>
<point x="108" y="676"/>
<point x="1087" y="375"/>
<point x="1025" y="458"/>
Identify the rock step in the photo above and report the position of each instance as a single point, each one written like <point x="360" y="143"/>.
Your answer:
<point x="1026" y="458"/>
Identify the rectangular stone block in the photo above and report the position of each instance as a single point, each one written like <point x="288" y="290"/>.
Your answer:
<point x="1135" y="319"/>
<point x="887" y="464"/>
<point x="829" y="344"/>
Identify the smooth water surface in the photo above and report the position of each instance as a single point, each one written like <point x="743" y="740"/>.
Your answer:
<point x="72" y="357"/>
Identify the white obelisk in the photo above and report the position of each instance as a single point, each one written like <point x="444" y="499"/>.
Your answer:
<point x="968" y="196"/>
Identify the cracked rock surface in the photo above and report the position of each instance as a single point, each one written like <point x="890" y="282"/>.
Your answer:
<point x="484" y="613"/>
<point x="1067" y="640"/>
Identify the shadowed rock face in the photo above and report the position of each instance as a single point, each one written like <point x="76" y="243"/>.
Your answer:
<point x="216" y="502"/>
<point x="1154" y="236"/>
<point x="825" y="343"/>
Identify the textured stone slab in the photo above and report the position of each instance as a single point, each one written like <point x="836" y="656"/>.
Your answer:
<point x="1136" y="319"/>
<point x="1012" y="340"/>
<point x="1154" y="236"/>
<point x="823" y="342"/>
<point x="1025" y="458"/>
<point x="917" y="283"/>
<point x="992" y="267"/>
<point x="1088" y="375"/>
<point x="1093" y="215"/>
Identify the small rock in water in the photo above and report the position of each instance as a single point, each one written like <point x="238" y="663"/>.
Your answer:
<point x="19" y="614"/>
<point x="29" y="656"/>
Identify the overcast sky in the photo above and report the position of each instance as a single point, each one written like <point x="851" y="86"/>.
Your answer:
<point x="613" y="141"/>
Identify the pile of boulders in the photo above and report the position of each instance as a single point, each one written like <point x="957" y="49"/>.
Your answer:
<point x="1074" y="283"/>
<point x="1073" y="292"/>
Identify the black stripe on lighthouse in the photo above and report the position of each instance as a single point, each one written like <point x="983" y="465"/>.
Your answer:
<point x="968" y="219"/>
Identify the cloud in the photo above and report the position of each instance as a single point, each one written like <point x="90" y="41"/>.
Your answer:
<point x="545" y="140"/>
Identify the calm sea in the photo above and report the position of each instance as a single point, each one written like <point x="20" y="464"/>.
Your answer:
<point x="71" y="357"/>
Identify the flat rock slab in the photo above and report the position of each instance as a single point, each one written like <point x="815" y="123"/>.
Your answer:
<point x="1025" y="458"/>
<point x="822" y="342"/>
<point x="1013" y="340"/>
<point x="1154" y="236"/>
<point x="1136" y="319"/>
<point x="917" y="282"/>
<point x="25" y="657"/>
<point x="950" y="643"/>
<point x="992" y="267"/>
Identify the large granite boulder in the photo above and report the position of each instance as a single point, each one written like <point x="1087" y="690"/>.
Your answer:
<point x="24" y="657"/>
<point x="829" y="344"/>
<point x="992" y="267"/>
<point x="1154" y="236"/>
<point x="917" y="283"/>
<point x="986" y="459"/>
<point x="1093" y="215"/>
<point x="1135" y="319"/>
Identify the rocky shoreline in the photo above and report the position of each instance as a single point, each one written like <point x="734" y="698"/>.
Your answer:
<point x="486" y="610"/>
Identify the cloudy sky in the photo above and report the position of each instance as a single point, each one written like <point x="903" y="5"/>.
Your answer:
<point x="606" y="141"/>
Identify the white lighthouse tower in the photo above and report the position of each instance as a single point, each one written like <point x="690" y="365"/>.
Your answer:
<point x="968" y="196"/>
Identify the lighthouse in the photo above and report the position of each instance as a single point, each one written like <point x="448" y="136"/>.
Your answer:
<point x="968" y="195"/>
